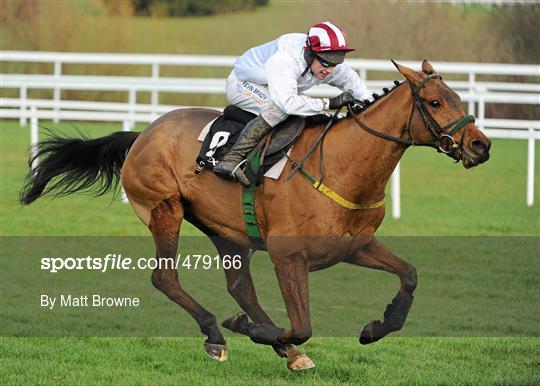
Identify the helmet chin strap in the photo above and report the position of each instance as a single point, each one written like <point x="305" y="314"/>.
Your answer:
<point x="309" y="57"/>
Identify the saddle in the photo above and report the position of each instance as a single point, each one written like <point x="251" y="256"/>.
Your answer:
<point x="226" y="129"/>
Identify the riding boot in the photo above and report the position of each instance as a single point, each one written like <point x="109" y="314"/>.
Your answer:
<point x="250" y="136"/>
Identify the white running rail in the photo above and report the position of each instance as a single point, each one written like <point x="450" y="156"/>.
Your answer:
<point x="476" y="93"/>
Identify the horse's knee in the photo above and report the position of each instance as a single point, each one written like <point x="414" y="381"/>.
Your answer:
<point x="300" y="336"/>
<point x="156" y="279"/>
<point x="409" y="278"/>
<point x="162" y="279"/>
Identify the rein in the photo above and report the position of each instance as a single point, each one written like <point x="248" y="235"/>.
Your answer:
<point x="300" y="164"/>
<point x="440" y="134"/>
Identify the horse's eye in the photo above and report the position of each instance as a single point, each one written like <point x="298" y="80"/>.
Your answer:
<point x="435" y="104"/>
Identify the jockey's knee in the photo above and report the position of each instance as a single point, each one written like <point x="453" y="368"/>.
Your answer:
<point x="272" y="114"/>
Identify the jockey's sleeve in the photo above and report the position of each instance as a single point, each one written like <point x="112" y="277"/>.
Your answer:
<point x="282" y="74"/>
<point x="345" y="78"/>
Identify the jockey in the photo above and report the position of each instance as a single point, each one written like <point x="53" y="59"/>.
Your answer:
<point x="268" y="80"/>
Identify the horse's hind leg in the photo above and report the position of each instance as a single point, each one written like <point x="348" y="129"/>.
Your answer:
<point x="377" y="256"/>
<point x="165" y="227"/>
<point x="240" y="286"/>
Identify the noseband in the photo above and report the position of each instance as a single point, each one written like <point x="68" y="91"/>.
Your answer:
<point x="443" y="140"/>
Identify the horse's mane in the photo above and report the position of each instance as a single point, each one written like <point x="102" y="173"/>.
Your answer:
<point x="321" y="119"/>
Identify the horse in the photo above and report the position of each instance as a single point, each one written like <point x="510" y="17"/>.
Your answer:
<point x="156" y="170"/>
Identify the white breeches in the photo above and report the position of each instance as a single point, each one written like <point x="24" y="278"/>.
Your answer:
<point x="254" y="98"/>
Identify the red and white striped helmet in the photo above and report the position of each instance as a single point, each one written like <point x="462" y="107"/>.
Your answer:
<point x="326" y="36"/>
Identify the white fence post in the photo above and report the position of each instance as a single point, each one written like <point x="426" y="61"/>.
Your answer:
<point x="126" y="126"/>
<point x="396" y="194"/>
<point x="23" y="96"/>
<point x="57" y="91"/>
<point x="132" y="103"/>
<point x="363" y="74"/>
<point x="530" y="167"/>
<point x="154" y="99"/>
<point x="34" y="136"/>
<point x="481" y="111"/>
<point x="472" y="91"/>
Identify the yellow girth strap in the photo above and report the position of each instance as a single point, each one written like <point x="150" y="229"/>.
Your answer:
<point x="336" y="197"/>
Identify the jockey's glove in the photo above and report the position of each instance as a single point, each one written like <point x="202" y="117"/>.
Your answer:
<point x="341" y="100"/>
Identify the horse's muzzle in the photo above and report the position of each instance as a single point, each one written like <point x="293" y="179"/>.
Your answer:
<point x="477" y="152"/>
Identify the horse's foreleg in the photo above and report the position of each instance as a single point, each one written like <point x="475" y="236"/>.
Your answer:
<point x="240" y="286"/>
<point x="377" y="256"/>
<point x="165" y="227"/>
<point x="292" y="274"/>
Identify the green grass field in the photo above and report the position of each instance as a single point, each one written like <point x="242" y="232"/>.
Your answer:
<point x="475" y="318"/>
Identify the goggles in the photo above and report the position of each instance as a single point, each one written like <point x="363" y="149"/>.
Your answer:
<point x="325" y="63"/>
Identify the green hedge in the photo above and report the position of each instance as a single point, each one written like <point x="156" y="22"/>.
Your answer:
<point x="193" y="7"/>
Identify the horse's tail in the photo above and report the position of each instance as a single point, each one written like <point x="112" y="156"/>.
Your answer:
<point x="76" y="164"/>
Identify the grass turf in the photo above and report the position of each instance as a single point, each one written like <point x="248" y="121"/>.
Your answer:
<point x="146" y="361"/>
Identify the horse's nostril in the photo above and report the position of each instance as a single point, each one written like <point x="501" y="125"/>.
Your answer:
<point x="480" y="147"/>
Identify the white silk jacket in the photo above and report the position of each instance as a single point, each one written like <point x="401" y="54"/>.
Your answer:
<point x="280" y="64"/>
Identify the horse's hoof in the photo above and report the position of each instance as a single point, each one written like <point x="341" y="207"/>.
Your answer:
<point x="299" y="362"/>
<point x="372" y="332"/>
<point x="217" y="352"/>
<point x="238" y="323"/>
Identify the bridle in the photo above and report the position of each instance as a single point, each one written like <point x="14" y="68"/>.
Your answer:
<point x="443" y="140"/>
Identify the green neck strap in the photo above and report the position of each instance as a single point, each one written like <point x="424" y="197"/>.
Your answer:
<point x="460" y="123"/>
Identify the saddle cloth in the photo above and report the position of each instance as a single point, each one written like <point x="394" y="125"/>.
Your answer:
<point x="219" y="135"/>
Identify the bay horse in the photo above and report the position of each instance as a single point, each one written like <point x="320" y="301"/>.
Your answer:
<point x="156" y="169"/>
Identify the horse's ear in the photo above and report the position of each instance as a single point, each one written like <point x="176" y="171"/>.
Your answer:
<point x="427" y="68"/>
<point x="411" y="75"/>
